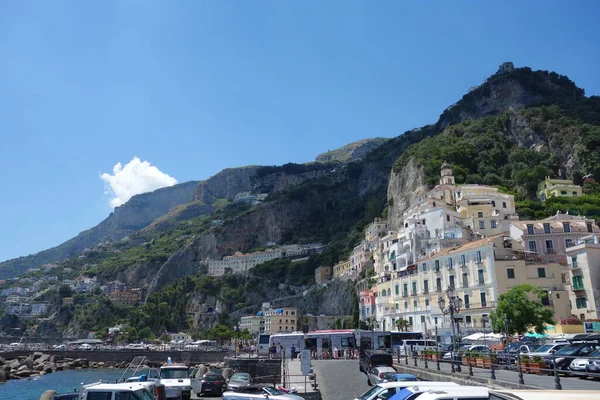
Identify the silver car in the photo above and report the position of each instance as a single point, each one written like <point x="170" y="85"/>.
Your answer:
<point x="259" y="392"/>
<point x="379" y="375"/>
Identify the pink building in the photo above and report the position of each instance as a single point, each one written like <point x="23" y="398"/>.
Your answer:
<point x="359" y="257"/>
<point x="367" y="304"/>
<point x="550" y="237"/>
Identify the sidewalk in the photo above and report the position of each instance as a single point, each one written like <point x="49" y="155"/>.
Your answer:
<point x="296" y="379"/>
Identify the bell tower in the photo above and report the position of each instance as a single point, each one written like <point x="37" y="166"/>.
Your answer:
<point x="446" y="175"/>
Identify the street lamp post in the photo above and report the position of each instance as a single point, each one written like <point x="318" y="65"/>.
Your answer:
<point x="452" y="308"/>
<point x="236" y="343"/>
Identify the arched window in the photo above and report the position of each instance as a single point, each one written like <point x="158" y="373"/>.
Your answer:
<point x="389" y="292"/>
<point x="383" y="292"/>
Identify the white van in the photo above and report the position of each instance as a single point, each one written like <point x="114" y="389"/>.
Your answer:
<point x="462" y="392"/>
<point x="387" y="390"/>
<point x="410" y="345"/>
<point x="458" y="393"/>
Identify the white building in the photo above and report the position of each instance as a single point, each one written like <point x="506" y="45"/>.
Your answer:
<point x="13" y="290"/>
<point x="179" y="337"/>
<point x="254" y="323"/>
<point x="240" y="262"/>
<point x="70" y="282"/>
<point x="17" y="308"/>
<point x="584" y="277"/>
<point x="39" y="308"/>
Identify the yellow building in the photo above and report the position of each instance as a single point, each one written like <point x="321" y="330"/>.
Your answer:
<point x="557" y="188"/>
<point x="342" y="268"/>
<point x="484" y="209"/>
<point x="280" y="320"/>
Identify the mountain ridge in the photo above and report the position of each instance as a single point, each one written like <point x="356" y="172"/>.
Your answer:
<point x="515" y="89"/>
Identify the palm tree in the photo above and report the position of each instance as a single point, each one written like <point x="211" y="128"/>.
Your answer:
<point x="402" y="325"/>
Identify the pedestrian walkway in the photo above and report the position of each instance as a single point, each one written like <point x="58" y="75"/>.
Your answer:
<point x="294" y="377"/>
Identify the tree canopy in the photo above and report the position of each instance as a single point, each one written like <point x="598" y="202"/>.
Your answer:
<point x="522" y="309"/>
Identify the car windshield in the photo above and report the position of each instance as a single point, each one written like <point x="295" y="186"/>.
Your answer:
<point x="595" y="354"/>
<point x="240" y="378"/>
<point x="369" y="393"/>
<point x="174" y="373"/>
<point x="545" y="348"/>
<point x="272" y="391"/>
<point x="212" y="378"/>
<point x="567" y="351"/>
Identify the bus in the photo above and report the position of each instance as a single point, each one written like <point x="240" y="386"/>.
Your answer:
<point x="263" y="344"/>
<point x="320" y="341"/>
<point x="373" y="340"/>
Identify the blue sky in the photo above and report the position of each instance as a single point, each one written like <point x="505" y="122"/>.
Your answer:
<point x="193" y="87"/>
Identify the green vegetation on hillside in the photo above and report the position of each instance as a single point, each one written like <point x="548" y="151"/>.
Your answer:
<point x="152" y="247"/>
<point x="487" y="151"/>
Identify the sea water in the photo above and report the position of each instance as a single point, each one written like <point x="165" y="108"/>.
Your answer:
<point x="61" y="381"/>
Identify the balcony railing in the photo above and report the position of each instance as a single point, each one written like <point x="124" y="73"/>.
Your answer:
<point x="426" y="291"/>
<point x="438" y="289"/>
<point x="404" y="294"/>
<point x="481" y="282"/>
<point x="550" y="251"/>
<point x="413" y="293"/>
<point x="575" y="265"/>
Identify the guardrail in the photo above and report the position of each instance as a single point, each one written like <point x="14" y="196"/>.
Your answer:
<point x="522" y="364"/>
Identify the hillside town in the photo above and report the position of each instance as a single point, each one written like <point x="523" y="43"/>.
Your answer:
<point x="469" y="239"/>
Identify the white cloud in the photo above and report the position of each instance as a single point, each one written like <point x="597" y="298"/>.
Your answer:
<point x="134" y="178"/>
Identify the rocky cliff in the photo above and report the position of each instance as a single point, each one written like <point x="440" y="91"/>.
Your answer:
<point x="226" y="184"/>
<point x="511" y="94"/>
<point x="352" y="151"/>
<point x="265" y="223"/>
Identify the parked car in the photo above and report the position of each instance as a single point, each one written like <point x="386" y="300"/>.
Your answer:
<point x="66" y="396"/>
<point x="380" y="374"/>
<point x="567" y="354"/>
<point x="238" y="380"/>
<point x="510" y="353"/>
<point x="261" y="392"/>
<point x="578" y="365"/>
<point x="374" y="358"/>
<point x="409" y="346"/>
<point x="135" y="390"/>
<point x="475" y="348"/>
<point x="593" y="369"/>
<point x="547" y="349"/>
<point x="213" y="383"/>
<point x="387" y="390"/>
<point x="461" y="392"/>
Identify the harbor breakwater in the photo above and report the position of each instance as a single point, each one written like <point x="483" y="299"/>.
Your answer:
<point x="23" y="364"/>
